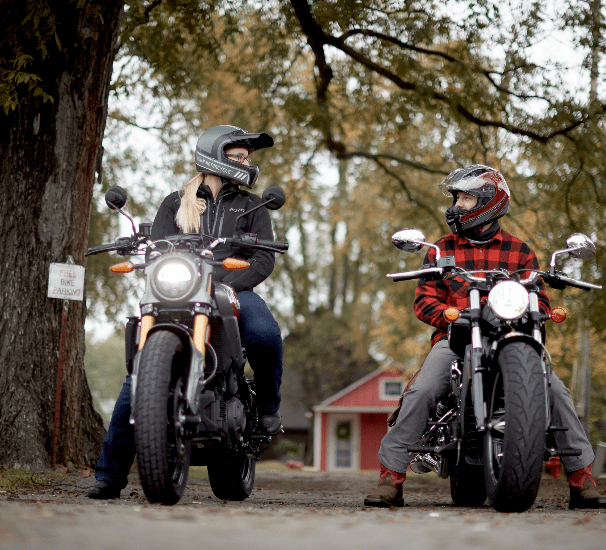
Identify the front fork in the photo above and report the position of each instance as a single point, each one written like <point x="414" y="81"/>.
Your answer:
<point x="477" y="382"/>
<point x="479" y="404"/>
<point x="195" y="378"/>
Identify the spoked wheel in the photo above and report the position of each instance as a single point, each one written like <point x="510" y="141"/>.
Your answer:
<point x="514" y="443"/>
<point x="162" y="452"/>
<point x="232" y="476"/>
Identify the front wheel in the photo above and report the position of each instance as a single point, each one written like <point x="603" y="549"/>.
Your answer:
<point x="232" y="476"/>
<point x="514" y="443"/>
<point x="162" y="453"/>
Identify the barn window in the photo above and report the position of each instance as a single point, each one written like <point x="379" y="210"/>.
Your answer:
<point x="391" y="389"/>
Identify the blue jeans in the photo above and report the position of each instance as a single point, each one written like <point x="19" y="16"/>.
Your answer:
<point x="261" y="337"/>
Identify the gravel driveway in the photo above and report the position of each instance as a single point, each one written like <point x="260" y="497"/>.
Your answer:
<point x="290" y="510"/>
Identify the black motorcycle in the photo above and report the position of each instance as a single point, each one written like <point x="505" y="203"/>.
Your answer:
<point x="191" y="402"/>
<point x="492" y="432"/>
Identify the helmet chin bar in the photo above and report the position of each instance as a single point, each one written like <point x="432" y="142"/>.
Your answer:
<point x="453" y="219"/>
<point x="241" y="174"/>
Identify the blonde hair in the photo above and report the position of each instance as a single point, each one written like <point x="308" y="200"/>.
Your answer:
<point x="192" y="206"/>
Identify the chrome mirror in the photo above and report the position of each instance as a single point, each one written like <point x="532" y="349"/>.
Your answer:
<point x="580" y="246"/>
<point x="409" y="239"/>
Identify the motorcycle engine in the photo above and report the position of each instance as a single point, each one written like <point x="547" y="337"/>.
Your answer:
<point x="236" y="419"/>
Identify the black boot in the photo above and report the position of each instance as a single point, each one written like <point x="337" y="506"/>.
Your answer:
<point x="271" y="424"/>
<point x="103" y="490"/>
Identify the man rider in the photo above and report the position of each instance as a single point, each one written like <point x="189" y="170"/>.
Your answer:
<point x="212" y="203"/>
<point x="480" y="197"/>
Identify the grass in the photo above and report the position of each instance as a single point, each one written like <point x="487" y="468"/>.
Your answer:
<point x="14" y="479"/>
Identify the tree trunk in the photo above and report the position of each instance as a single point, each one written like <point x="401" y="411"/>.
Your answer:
<point x="49" y="154"/>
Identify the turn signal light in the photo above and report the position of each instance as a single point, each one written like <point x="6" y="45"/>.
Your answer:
<point x="451" y="314"/>
<point x="123" y="267"/>
<point x="558" y="315"/>
<point x="233" y="263"/>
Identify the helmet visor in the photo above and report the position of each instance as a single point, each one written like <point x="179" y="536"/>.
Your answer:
<point x="480" y="183"/>
<point x="250" y="141"/>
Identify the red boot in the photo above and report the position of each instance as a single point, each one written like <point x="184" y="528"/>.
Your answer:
<point x="389" y="491"/>
<point x="583" y="491"/>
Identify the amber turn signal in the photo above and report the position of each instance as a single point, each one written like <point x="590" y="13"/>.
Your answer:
<point x="558" y="315"/>
<point x="123" y="267"/>
<point x="451" y="314"/>
<point x="233" y="263"/>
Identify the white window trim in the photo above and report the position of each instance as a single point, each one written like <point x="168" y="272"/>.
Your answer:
<point x="383" y="396"/>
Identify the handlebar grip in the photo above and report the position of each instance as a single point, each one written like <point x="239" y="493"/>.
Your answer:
<point x="579" y="284"/>
<point x="278" y="245"/>
<point x="251" y="240"/>
<point x="431" y="273"/>
<point x="397" y="278"/>
<point x="100" y="248"/>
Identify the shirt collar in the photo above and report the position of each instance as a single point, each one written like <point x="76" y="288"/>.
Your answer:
<point x="460" y="240"/>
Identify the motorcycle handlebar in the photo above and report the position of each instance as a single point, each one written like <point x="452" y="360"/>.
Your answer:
<point x="408" y="275"/>
<point x="101" y="248"/>
<point x="579" y="284"/>
<point x="251" y="240"/>
<point x="281" y="246"/>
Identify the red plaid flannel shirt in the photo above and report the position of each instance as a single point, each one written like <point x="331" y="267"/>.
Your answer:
<point x="504" y="251"/>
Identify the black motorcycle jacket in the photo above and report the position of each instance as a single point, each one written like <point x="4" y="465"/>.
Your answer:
<point x="219" y="220"/>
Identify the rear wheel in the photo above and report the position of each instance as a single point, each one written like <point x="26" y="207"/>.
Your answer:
<point x="232" y="476"/>
<point x="467" y="486"/>
<point x="514" y="444"/>
<point x="162" y="452"/>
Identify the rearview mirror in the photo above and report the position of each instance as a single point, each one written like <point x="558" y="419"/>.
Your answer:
<point x="274" y="196"/>
<point x="115" y="198"/>
<point x="409" y="239"/>
<point x="580" y="246"/>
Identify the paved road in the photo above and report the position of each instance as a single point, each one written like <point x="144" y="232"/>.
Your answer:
<point x="291" y="510"/>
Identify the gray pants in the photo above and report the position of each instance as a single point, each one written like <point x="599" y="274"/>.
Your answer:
<point x="434" y="380"/>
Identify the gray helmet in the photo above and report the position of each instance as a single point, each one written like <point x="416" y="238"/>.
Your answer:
<point x="211" y="158"/>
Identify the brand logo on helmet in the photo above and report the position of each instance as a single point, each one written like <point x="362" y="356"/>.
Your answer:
<point x="230" y="172"/>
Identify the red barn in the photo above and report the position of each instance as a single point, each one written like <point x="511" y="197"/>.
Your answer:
<point x="349" y="426"/>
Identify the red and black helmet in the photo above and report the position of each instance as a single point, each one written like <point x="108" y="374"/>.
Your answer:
<point x="483" y="182"/>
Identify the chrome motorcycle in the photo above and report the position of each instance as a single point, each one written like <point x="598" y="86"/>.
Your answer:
<point x="491" y="433"/>
<point x="190" y="398"/>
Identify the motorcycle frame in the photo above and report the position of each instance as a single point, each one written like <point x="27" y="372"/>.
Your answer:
<point x="210" y="302"/>
<point x="481" y="353"/>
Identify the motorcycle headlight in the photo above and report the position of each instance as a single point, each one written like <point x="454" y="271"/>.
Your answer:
<point x="174" y="280"/>
<point x="508" y="300"/>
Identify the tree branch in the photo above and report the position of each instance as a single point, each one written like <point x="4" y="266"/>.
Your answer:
<point x="412" y="200"/>
<point x="317" y="38"/>
<point x="411" y="47"/>
<point x="401" y="160"/>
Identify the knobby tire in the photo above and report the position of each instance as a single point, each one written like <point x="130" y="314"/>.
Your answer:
<point x="162" y="471"/>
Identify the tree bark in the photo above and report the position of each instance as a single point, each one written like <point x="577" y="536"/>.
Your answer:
<point x="49" y="155"/>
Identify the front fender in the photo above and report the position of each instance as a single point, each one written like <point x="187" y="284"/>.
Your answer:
<point x="194" y="364"/>
<point x="516" y="336"/>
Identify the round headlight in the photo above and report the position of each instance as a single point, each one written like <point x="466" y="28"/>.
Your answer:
<point x="174" y="280"/>
<point x="508" y="300"/>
